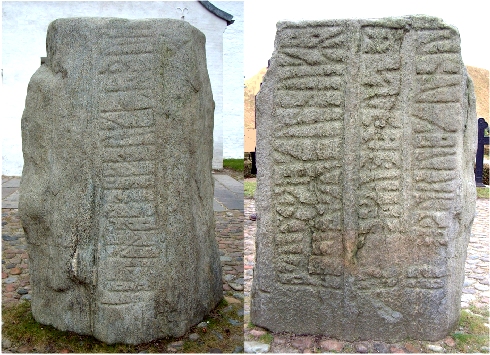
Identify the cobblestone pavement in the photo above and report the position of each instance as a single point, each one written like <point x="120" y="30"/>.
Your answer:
<point x="475" y="292"/>
<point x="15" y="270"/>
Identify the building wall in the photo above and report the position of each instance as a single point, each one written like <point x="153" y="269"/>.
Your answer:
<point x="233" y="78"/>
<point x="24" y="26"/>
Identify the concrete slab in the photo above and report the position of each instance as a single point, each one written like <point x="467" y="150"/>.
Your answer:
<point x="11" y="201"/>
<point x="233" y="204"/>
<point x="228" y="192"/>
<point x="7" y="191"/>
<point x="12" y="182"/>
<point x="230" y="183"/>
<point x="217" y="207"/>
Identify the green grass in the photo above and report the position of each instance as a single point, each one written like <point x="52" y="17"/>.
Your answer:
<point x="267" y="338"/>
<point x="483" y="192"/>
<point x="485" y="312"/>
<point x="234" y="164"/>
<point x="473" y="333"/>
<point x="22" y="330"/>
<point x="249" y="189"/>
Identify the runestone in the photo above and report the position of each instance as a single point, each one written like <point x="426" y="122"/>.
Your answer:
<point x="365" y="187"/>
<point x="117" y="189"/>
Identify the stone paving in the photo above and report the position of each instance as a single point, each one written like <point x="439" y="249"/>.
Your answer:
<point x="10" y="191"/>
<point x="228" y="193"/>
<point x="476" y="291"/>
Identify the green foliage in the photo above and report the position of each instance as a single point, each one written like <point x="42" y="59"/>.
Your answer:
<point x="247" y="172"/>
<point x="249" y="189"/>
<point x="234" y="164"/>
<point x="247" y="168"/>
<point x="483" y="192"/>
<point x="473" y="334"/>
<point x="267" y="338"/>
<point x="486" y="168"/>
<point x="485" y="312"/>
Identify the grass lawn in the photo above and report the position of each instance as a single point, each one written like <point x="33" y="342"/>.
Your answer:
<point x="235" y="164"/>
<point x="249" y="189"/>
<point x="473" y="333"/>
<point x="483" y="192"/>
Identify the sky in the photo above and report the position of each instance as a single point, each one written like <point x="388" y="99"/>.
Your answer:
<point x="261" y="16"/>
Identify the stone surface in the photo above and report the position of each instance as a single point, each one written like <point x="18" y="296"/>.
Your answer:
<point x="193" y="336"/>
<point x="435" y="348"/>
<point x="381" y="348"/>
<point x="365" y="187"/>
<point x="303" y="342"/>
<point x="450" y="342"/>
<point x="361" y="348"/>
<point x="257" y="333"/>
<point x="331" y="345"/>
<point x="116" y="194"/>
<point x="255" y="347"/>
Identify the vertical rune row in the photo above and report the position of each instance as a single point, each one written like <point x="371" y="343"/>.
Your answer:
<point x="380" y="126"/>
<point x="436" y="116"/>
<point x="128" y="239"/>
<point x="309" y="174"/>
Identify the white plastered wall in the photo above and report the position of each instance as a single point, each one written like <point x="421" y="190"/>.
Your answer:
<point x="24" y="26"/>
<point x="233" y="78"/>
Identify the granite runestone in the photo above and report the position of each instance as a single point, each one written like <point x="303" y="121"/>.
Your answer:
<point x="117" y="193"/>
<point x="365" y="186"/>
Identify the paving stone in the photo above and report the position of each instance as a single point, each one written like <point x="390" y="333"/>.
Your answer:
<point x="381" y="348"/>
<point x="254" y="347"/>
<point x="11" y="279"/>
<point x="232" y="300"/>
<point x="15" y="271"/>
<point x="22" y="291"/>
<point x="331" y="345"/>
<point x="257" y="333"/>
<point x="435" y="348"/>
<point x="361" y="348"/>
<point x="6" y="343"/>
<point x="481" y="287"/>
<point x="449" y="341"/>
<point x="238" y="349"/>
<point x="397" y="350"/>
<point x="411" y="348"/>
<point x="193" y="336"/>
<point x="303" y="342"/>
<point x="235" y="286"/>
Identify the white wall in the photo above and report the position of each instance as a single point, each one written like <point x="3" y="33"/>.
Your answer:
<point x="233" y="54"/>
<point x="24" y="26"/>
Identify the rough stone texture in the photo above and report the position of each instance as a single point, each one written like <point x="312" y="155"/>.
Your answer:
<point x="365" y="197"/>
<point x="116" y="193"/>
